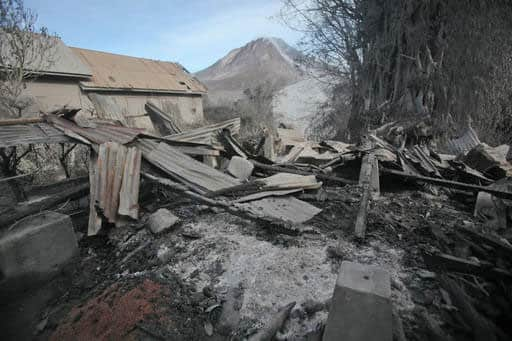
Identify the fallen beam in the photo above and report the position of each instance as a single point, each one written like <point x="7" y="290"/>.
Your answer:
<point x="45" y="204"/>
<point x="281" y="169"/>
<point x="449" y="183"/>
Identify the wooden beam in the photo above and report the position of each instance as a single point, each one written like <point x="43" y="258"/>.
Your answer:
<point x="449" y="183"/>
<point x="369" y="179"/>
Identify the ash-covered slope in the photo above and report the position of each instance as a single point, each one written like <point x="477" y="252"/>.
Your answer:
<point x="268" y="61"/>
<point x="259" y="61"/>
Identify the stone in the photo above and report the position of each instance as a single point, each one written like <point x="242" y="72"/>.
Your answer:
<point x="361" y="308"/>
<point x="161" y="220"/>
<point x="240" y="168"/>
<point x="37" y="247"/>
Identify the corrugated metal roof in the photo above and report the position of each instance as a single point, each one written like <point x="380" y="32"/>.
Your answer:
<point x="185" y="169"/>
<point x="111" y="72"/>
<point x="102" y="133"/>
<point x="465" y="143"/>
<point x="60" y="60"/>
<point x="24" y="134"/>
<point x="114" y="184"/>
<point x="207" y="134"/>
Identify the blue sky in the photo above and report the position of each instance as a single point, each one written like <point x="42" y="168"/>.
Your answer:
<point x="195" y="33"/>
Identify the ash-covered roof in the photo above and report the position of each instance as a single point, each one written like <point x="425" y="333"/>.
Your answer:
<point x="114" y="72"/>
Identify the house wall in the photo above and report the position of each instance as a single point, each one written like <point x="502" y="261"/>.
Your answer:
<point x="129" y="108"/>
<point x="52" y="93"/>
<point x="47" y="94"/>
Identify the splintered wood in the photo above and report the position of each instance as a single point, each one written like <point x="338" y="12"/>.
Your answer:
<point x="114" y="175"/>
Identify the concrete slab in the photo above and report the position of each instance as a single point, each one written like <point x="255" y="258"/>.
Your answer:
<point x="361" y="309"/>
<point x="37" y="247"/>
<point x="240" y="167"/>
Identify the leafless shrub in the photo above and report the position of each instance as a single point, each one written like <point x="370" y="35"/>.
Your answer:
<point x="254" y="109"/>
<point x="25" y="51"/>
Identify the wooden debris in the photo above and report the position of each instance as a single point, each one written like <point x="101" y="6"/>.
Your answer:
<point x="449" y="263"/>
<point x="235" y="209"/>
<point x="449" y="183"/>
<point x="483" y="330"/>
<point x="281" y="169"/>
<point x="499" y="246"/>
<point x="28" y="209"/>
<point x="369" y="179"/>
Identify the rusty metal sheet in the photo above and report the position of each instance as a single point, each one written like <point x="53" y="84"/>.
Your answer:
<point x="164" y="122"/>
<point x="111" y="72"/>
<point x="284" y="208"/>
<point x="183" y="168"/>
<point x="24" y="134"/>
<point x="207" y="134"/>
<point x="129" y="192"/>
<point x="114" y="184"/>
<point x="99" y="134"/>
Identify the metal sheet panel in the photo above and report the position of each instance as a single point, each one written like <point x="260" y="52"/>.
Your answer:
<point x="115" y="179"/>
<point x="99" y="134"/>
<point x="24" y="134"/>
<point x="207" y="134"/>
<point x="117" y="72"/>
<point x="185" y="169"/>
<point x="284" y="208"/>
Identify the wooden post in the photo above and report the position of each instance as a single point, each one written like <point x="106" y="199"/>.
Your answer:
<point x="369" y="179"/>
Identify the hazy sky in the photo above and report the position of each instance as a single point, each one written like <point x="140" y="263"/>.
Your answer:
<point x="195" y="33"/>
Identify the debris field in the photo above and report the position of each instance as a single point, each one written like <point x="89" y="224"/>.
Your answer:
<point x="194" y="236"/>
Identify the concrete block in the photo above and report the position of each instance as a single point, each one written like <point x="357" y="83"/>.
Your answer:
<point x="38" y="247"/>
<point x="240" y="167"/>
<point x="361" y="309"/>
<point x="161" y="220"/>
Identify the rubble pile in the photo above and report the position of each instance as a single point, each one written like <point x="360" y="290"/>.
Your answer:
<point x="255" y="241"/>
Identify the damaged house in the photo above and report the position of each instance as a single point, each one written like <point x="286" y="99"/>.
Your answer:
<point x="115" y="87"/>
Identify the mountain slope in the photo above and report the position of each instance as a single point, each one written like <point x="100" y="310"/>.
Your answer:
<point x="267" y="61"/>
<point x="261" y="60"/>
